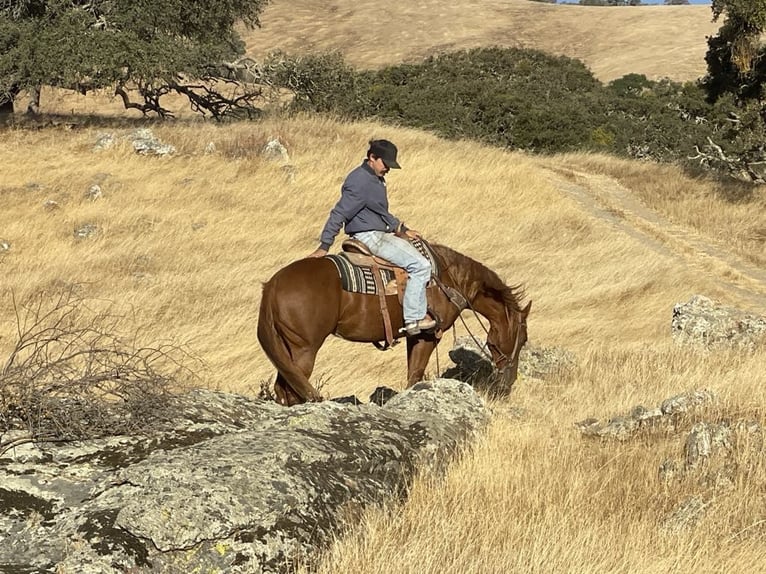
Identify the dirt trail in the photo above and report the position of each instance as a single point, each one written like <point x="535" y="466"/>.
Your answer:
<point x="605" y="199"/>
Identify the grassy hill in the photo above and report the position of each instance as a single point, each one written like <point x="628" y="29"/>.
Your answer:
<point x="184" y="243"/>
<point x="605" y="248"/>
<point x="658" y="41"/>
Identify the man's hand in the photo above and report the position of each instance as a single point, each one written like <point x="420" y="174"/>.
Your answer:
<point x="319" y="253"/>
<point x="412" y="234"/>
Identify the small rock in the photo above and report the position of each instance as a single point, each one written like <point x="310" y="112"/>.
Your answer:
<point x="707" y="324"/>
<point x="646" y="416"/>
<point x="94" y="192"/>
<point x="146" y="143"/>
<point x="275" y="151"/>
<point x="589" y="426"/>
<point x="542" y="362"/>
<point x="704" y="441"/>
<point x="381" y="395"/>
<point x="619" y="428"/>
<point x="686" y="514"/>
<point x="686" y="401"/>
<point x="104" y="142"/>
<point x="86" y="231"/>
<point x="347" y="400"/>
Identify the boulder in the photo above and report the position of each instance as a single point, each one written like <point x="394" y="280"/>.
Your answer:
<point x="706" y="324"/>
<point x="229" y="484"/>
<point x="473" y="364"/>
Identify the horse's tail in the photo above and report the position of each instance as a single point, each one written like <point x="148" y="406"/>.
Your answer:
<point x="275" y="346"/>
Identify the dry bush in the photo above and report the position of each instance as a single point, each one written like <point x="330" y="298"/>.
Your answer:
<point x="69" y="375"/>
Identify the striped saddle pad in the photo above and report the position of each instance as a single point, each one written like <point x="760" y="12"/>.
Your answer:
<point x="357" y="274"/>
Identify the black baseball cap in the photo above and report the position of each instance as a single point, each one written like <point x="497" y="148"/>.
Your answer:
<point x="386" y="151"/>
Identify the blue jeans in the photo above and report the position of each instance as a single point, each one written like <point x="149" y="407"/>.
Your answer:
<point x="402" y="253"/>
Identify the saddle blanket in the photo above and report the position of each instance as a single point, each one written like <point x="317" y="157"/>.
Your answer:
<point x="361" y="279"/>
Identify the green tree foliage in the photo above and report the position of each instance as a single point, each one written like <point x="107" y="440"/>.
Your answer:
<point x="736" y="62"/>
<point x="660" y="120"/>
<point x="321" y="82"/>
<point x="510" y="97"/>
<point x="518" y="99"/>
<point x="150" y="47"/>
<point x="735" y="57"/>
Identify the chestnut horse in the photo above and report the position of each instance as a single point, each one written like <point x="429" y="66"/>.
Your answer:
<point x="303" y="303"/>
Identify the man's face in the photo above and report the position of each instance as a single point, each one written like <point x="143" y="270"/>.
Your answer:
<point x="378" y="166"/>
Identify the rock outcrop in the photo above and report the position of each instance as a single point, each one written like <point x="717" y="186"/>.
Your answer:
<point x="231" y="484"/>
<point x="706" y="324"/>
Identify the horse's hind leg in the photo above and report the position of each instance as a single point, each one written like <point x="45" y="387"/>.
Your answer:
<point x="284" y="393"/>
<point x="299" y="391"/>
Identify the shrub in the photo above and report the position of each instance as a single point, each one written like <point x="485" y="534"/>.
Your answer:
<point x="529" y="100"/>
<point x="69" y="376"/>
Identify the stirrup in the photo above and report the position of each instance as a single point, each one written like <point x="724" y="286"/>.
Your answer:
<point x="415" y="328"/>
<point x="412" y="331"/>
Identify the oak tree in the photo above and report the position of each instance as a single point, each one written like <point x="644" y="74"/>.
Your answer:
<point x="140" y="48"/>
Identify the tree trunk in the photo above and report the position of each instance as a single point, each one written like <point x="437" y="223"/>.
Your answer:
<point x="33" y="108"/>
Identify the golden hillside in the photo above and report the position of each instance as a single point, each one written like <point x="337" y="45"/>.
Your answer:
<point x="659" y="41"/>
<point x="183" y="244"/>
<point x="604" y="247"/>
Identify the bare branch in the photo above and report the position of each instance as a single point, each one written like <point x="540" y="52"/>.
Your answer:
<point x="712" y="156"/>
<point x="70" y="376"/>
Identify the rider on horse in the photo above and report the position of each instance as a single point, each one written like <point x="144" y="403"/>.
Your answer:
<point x="363" y="210"/>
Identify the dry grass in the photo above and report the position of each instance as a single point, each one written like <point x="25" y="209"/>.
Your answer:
<point x="186" y="242"/>
<point x="730" y="214"/>
<point x="533" y="496"/>
<point x="659" y="41"/>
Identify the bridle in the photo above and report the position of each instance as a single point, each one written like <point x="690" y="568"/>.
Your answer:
<point x="462" y="303"/>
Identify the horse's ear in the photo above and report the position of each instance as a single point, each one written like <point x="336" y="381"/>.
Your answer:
<point x="525" y="310"/>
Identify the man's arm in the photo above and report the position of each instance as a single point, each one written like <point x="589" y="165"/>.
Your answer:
<point x="350" y="203"/>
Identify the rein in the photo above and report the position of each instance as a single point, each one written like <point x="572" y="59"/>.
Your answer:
<point x="461" y="302"/>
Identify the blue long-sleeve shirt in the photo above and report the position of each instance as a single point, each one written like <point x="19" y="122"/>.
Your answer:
<point x="363" y="206"/>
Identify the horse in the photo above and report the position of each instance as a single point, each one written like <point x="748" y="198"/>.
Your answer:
<point x="303" y="303"/>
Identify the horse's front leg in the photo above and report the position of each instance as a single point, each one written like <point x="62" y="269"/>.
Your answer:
<point x="419" y="350"/>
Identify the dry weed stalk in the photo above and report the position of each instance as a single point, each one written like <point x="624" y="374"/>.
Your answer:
<point x="70" y="377"/>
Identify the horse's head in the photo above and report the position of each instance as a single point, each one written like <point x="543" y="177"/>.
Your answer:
<point x="488" y="295"/>
<point x="505" y="340"/>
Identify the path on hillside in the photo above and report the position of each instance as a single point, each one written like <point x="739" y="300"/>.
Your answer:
<point x="607" y="200"/>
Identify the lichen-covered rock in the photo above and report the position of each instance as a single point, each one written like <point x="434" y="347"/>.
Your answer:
<point x="231" y="484"/>
<point x="686" y="515"/>
<point x="704" y="323"/>
<point x="146" y="143"/>
<point x="622" y="427"/>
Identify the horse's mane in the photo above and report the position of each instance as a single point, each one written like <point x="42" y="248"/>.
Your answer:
<point x="472" y="277"/>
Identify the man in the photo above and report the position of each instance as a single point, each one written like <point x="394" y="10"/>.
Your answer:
<point x="363" y="210"/>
